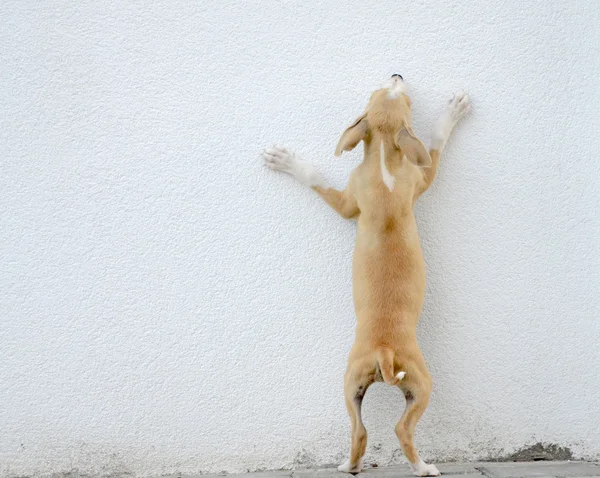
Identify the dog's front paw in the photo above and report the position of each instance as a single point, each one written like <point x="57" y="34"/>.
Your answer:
<point x="279" y="158"/>
<point x="423" y="469"/>
<point x="348" y="467"/>
<point x="458" y="106"/>
<point x="282" y="159"/>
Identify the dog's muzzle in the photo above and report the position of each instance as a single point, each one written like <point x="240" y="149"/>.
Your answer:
<point x="395" y="86"/>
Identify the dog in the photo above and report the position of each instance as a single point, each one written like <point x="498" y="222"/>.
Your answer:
<point x="388" y="268"/>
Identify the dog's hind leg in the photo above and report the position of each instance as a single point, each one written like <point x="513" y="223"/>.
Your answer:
<point x="417" y="390"/>
<point x="356" y="382"/>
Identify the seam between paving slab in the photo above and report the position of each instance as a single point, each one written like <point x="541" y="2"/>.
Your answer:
<point x="479" y="469"/>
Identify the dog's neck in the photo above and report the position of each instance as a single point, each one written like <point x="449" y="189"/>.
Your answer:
<point x="396" y="172"/>
<point x="372" y="149"/>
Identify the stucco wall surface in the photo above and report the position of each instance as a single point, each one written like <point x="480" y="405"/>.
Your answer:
<point x="170" y="305"/>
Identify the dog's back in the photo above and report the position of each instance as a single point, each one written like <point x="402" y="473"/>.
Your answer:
<point x="388" y="268"/>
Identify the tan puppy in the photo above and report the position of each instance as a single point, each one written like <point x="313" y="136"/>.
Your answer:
<point x="388" y="267"/>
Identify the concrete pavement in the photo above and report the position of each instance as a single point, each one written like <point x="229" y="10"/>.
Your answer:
<point x="537" y="469"/>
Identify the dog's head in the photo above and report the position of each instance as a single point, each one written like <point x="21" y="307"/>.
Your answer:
<point x="387" y="116"/>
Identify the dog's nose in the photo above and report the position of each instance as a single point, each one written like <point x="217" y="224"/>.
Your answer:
<point x="398" y="75"/>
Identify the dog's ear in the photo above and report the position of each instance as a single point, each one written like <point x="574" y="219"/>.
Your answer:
<point x="353" y="135"/>
<point x="412" y="147"/>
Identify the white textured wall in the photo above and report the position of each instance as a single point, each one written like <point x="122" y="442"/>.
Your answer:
<point x="168" y="304"/>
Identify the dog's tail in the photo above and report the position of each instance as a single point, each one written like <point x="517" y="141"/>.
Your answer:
<point x="385" y="358"/>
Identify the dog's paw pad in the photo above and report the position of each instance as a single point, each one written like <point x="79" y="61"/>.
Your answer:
<point x="347" y="467"/>
<point x="278" y="157"/>
<point x="458" y="106"/>
<point x="423" y="469"/>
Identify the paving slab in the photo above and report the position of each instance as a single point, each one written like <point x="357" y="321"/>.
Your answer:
<point x="319" y="473"/>
<point x="458" y="468"/>
<point x="404" y="471"/>
<point x="399" y="471"/>
<point x="386" y="472"/>
<point x="536" y="469"/>
<point x="270" y="474"/>
<point x="540" y="469"/>
<point x="258" y="474"/>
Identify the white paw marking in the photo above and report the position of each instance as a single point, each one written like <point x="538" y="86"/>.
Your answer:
<point x="423" y="469"/>
<point x="400" y="375"/>
<point x="457" y="107"/>
<point x="347" y="467"/>
<point x="388" y="179"/>
<point x="282" y="159"/>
